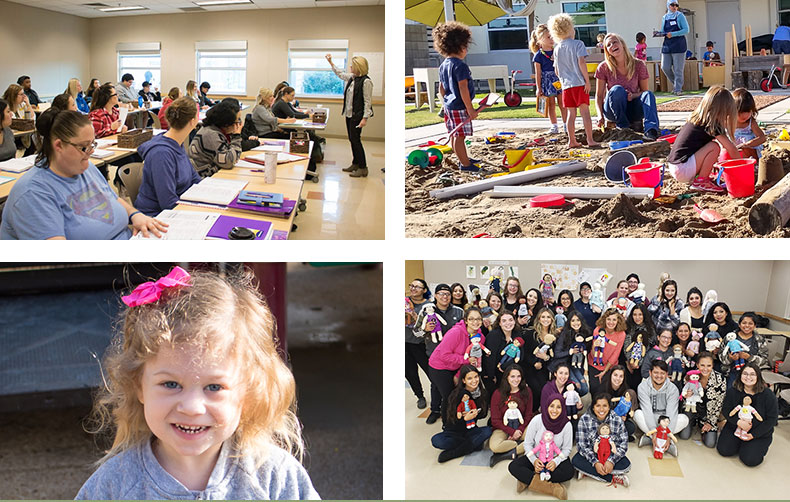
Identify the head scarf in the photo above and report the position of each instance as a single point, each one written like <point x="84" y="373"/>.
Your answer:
<point x="558" y="424"/>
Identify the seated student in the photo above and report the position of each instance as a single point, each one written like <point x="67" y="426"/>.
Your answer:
<point x="708" y="409"/>
<point x="173" y="95"/>
<point x="283" y="105"/>
<point x="203" y="97"/>
<point x="616" y="385"/>
<point x="282" y="84"/>
<point x="192" y="92"/>
<point x="168" y="173"/>
<point x="74" y="89"/>
<point x="147" y="94"/>
<point x="266" y="124"/>
<point x="64" y="102"/>
<point x="732" y="361"/>
<point x="104" y="112"/>
<point x="506" y="441"/>
<point x="32" y="95"/>
<point x="92" y="87"/>
<point x="217" y="145"/>
<point x="20" y="104"/>
<point x="124" y="90"/>
<point x="658" y="396"/>
<point x="586" y="461"/>
<point x="661" y="351"/>
<point x="42" y="204"/>
<point x="751" y="410"/>
<point x="7" y="145"/>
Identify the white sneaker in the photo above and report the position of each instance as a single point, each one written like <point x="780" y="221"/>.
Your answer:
<point x="554" y="129"/>
<point x="621" y="479"/>
<point x="644" y="441"/>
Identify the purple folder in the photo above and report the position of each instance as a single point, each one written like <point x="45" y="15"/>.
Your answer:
<point x="278" y="212"/>
<point x="225" y="224"/>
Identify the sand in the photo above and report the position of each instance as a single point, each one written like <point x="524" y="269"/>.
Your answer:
<point x="620" y="217"/>
<point x="690" y="104"/>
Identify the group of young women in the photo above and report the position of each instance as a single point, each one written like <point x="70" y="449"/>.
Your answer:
<point x="538" y="381"/>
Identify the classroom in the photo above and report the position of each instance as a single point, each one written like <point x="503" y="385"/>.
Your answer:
<point x="663" y="299"/>
<point x="292" y="67"/>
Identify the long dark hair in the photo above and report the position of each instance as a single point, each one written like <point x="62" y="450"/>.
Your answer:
<point x="455" y="396"/>
<point x="504" y="385"/>
<point x="464" y="300"/>
<point x="668" y="282"/>
<point x="101" y="96"/>
<point x="3" y="106"/>
<point x="693" y="290"/>
<point x="607" y="382"/>
<point x="559" y="301"/>
<point x="568" y="334"/>
<point x="647" y="321"/>
<point x="222" y="115"/>
<point x="709" y="319"/>
<point x="759" y="386"/>
<point x="539" y="304"/>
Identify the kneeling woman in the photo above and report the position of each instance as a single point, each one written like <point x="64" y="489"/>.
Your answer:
<point x="467" y="403"/>
<point x="589" y="462"/>
<point x="168" y="173"/>
<point x="554" y="419"/>
<point x="64" y="196"/>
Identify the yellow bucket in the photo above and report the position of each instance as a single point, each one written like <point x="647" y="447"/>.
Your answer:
<point x="518" y="160"/>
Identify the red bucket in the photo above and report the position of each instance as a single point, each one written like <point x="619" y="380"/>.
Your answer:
<point x="738" y="176"/>
<point x="645" y="174"/>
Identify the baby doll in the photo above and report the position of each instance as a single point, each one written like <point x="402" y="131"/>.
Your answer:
<point x="745" y="411"/>
<point x="522" y="307"/>
<point x="735" y="346"/>
<point x="637" y="350"/>
<point x="546" y="450"/>
<point x="677" y="362"/>
<point x="545" y="348"/>
<point x="711" y="297"/>
<point x="560" y="318"/>
<point x="596" y="297"/>
<point x="623" y="407"/>
<point x="475" y="349"/>
<point x="466" y="405"/>
<point x="547" y="286"/>
<point x="571" y="399"/>
<point x="436" y="334"/>
<point x="513" y="417"/>
<point x="693" y="344"/>
<point x="712" y="339"/>
<point x="598" y="344"/>
<point x="697" y="392"/>
<point x="511" y="353"/>
<point x="577" y="359"/>
<point x="661" y="436"/>
<point x="639" y="295"/>
<point x="411" y="315"/>
<point x="602" y="446"/>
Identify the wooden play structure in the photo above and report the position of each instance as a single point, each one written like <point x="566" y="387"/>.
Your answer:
<point x="747" y="70"/>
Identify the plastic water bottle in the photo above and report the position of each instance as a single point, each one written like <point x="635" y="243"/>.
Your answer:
<point x="140" y="101"/>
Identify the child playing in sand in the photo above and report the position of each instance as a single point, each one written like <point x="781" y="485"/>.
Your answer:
<point x="200" y="404"/>
<point x="641" y="47"/>
<point x="749" y="138"/>
<point x="542" y="46"/>
<point x="571" y="68"/>
<point x="700" y="140"/>
<point x="456" y="87"/>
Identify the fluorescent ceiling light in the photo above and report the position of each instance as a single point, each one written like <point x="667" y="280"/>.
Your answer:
<point x="221" y="2"/>
<point x="118" y="9"/>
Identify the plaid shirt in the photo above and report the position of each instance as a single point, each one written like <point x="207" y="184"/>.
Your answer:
<point x="661" y="316"/>
<point x="102" y="120"/>
<point x="587" y="432"/>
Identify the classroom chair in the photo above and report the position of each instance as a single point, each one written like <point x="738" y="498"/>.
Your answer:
<point x="130" y="177"/>
<point x="155" y="118"/>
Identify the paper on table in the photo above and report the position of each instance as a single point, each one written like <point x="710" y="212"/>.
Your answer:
<point x="184" y="225"/>
<point x="18" y="165"/>
<point x="103" y="142"/>
<point x="282" y="157"/>
<point x="100" y="154"/>
<point x="6" y="179"/>
<point x="214" y="191"/>
<point x="249" y="165"/>
<point x="272" y="146"/>
<point x="122" y="117"/>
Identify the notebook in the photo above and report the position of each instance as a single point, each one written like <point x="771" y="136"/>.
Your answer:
<point x="282" y="158"/>
<point x="273" y="145"/>
<point x="277" y="212"/>
<point x="224" y="224"/>
<point x="183" y="225"/>
<point x="214" y="191"/>
<point x="260" y="199"/>
<point x="6" y="179"/>
<point x="19" y="165"/>
<point x="101" y="154"/>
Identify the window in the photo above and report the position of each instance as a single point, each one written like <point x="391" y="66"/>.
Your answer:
<point x="784" y="12"/>
<point x="142" y="60"/>
<point x="223" y="64"/>
<point x="309" y="72"/>
<point x="509" y="33"/>
<point x="589" y="19"/>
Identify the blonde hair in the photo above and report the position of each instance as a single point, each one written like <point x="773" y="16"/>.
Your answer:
<point x="360" y="64"/>
<point x="535" y="36"/>
<point x="192" y="89"/>
<point x="538" y="327"/>
<point x="264" y="93"/>
<point x="71" y="89"/>
<point x="716" y="113"/>
<point x="220" y="315"/>
<point x="630" y="62"/>
<point x="561" y="27"/>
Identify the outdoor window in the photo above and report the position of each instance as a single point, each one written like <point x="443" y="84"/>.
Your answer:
<point x="509" y="33"/>
<point x="309" y="72"/>
<point x="223" y="64"/>
<point x="589" y="19"/>
<point x="784" y="12"/>
<point x="142" y="60"/>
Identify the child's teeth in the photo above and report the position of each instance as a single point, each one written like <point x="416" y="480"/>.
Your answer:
<point x="190" y="429"/>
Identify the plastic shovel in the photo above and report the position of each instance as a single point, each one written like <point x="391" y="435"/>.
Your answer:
<point x="486" y="102"/>
<point x="709" y="215"/>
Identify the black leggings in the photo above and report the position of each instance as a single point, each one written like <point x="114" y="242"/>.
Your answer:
<point x="751" y="452"/>
<point x="355" y="137"/>
<point x="416" y="356"/>
<point x="443" y="380"/>
<point x="523" y="470"/>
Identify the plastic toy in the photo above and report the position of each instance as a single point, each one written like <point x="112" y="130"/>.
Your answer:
<point x="436" y="333"/>
<point x="546" y="450"/>
<point x="745" y="412"/>
<point x="735" y="346"/>
<point x="661" y="437"/>
<point x="617" y="145"/>
<point x="466" y="405"/>
<point x="511" y="353"/>
<point x="513" y="417"/>
<point x="697" y="392"/>
<point x="475" y="349"/>
<point x="602" y="446"/>
<point x="512" y="98"/>
<point x="571" y="399"/>
<point x="771" y="81"/>
<point x="423" y="158"/>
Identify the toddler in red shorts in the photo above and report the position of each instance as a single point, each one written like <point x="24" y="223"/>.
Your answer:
<point x="571" y="68"/>
<point x="456" y="87"/>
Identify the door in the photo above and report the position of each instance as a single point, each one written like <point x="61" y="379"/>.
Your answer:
<point x="722" y="14"/>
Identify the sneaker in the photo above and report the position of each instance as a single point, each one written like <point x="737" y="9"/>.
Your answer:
<point x="554" y="129"/>
<point x="579" y="475"/>
<point x="432" y="418"/>
<point x="673" y="449"/>
<point x="421" y="403"/>
<point x="706" y="185"/>
<point x="644" y="441"/>
<point x="472" y="168"/>
<point x="621" y="479"/>
<point x="651" y="135"/>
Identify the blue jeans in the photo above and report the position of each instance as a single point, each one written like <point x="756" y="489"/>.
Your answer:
<point x="582" y="464"/>
<point x="447" y="440"/>
<point x="619" y="110"/>
<point x="673" y="66"/>
<point x="577" y="377"/>
<point x="781" y="46"/>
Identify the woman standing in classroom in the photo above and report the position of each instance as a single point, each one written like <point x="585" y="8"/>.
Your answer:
<point x="357" y="109"/>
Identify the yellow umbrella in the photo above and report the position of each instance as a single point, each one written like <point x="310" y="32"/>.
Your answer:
<point x="469" y="12"/>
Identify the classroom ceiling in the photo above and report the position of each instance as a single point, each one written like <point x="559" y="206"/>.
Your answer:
<point x="89" y="8"/>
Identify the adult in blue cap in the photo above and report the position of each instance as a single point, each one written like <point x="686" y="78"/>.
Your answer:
<point x="673" y="52"/>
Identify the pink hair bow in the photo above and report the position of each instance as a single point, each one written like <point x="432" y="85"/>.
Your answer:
<point x="149" y="292"/>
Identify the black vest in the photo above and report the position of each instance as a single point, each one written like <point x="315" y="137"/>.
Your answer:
<point x="358" y="98"/>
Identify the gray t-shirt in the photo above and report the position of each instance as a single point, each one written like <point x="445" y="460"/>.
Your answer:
<point x="566" y="62"/>
<point x="136" y="474"/>
<point x="8" y="148"/>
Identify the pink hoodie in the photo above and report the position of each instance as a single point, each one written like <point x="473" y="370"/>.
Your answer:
<point x="449" y="354"/>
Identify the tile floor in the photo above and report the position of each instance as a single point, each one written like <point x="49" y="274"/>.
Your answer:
<point x="427" y="479"/>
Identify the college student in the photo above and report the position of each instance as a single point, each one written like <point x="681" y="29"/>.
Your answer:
<point x="536" y="362"/>
<point x="16" y="98"/>
<point x="498" y="338"/>
<point x="217" y="145"/>
<point x="613" y="324"/>
<point x="124" y="90"/>
<point x="266" y="124"/>
<point x="633" y="284"/>
<point x="173" y="95"/>
<point x="167" y="172"/>
<point x="203" y="97"/>
<point x="192" y="92"/>
<point x="586" y="461"/>
<point x="74" y="89"/>
<point x="45" y="202"/>
<point x="419" y="295"/>
<point x="714" y="386"/>
<point x="749" y="439"/>
<point x="512" y="294"/>
<point x="731" y="361"/>
<point x="692" y="312"/>
<point x="357" y="109"/>
<point x="589" y="311"/>
<point x="639" y="324"/>
<point x="32" y="95"/>
<point x="147" y="94"/>
<point x="666" y="306"/>
<point x="92" y="87"/>
<point x="7" y="145"/>
<point x="104" y="112"/>
<point x="621" y="301"/>
<point x="661" y="351"/>
<point x="506" y="441"/>
<point x="564" y="350"/>
<point x="658" y="396"/>
<point x="616" y="385"/>
<point x="64" y="102"/>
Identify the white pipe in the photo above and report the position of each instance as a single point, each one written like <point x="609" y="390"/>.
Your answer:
<point x="449" y="12"/>
<point x="571" y="192"/>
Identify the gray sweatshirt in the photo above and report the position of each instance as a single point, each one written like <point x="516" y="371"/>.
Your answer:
<point x="211" y="151"/>
<point x="655" y="403"/>
<point x="534" y="434"/>
<point x="265" y="122"/>
<point x="136" y="474"/>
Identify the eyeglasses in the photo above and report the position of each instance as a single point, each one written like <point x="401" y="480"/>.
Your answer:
<point x="443" y="293"/>
<point x="113" y="95"/>
<point x="416" y="286"/>
<point x="475" y="319"/>
<point x="84" y="149"/>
